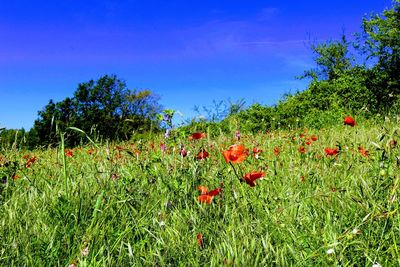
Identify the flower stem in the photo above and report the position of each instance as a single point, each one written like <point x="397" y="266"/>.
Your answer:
<point x="234" y="170"/>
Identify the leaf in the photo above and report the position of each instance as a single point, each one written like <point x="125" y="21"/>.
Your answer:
<point x="87" y="136"/>
<point x="366" y="217"/>
<point x="376" y="145"/>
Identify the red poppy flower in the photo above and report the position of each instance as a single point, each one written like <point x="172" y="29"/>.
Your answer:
<point x="277" y="151"/>
<point x="30" y="161"/>
<point x="183" y="152"/>
<point x="69" y="153"/>
<point x="314" y="138"/>
<point x="302" y="149"/>
<point x="202" y="154"/>
<point x="163" y="147"/>
<point x="215" y="192"/>
<point x="363" y="151"/>
<point x="308" y="143"/>
<point x="207" y="197"/>
<point x="203" y="190"/>
<point x="199" y="239"/>
<point x="250" y="178"/>
<point x="349" y="121"/>
<point x="197" y="136"/>
<point x="235" y="154"/>
<point x="331" y="151"/>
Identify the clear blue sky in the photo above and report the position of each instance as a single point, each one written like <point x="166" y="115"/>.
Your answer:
<point x="188" y="52"/>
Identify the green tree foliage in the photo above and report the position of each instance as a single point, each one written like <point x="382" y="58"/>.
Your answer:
<point x="339" y="84"/>
<point x="332" y="59"/>
<point x="380" y="42"/>
<point x="105" y="108"/>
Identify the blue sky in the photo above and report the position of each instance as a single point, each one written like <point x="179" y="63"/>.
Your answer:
<point x="188" y="52"/>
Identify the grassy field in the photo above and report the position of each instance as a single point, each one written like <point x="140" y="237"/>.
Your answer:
<point x="139" y="204"/>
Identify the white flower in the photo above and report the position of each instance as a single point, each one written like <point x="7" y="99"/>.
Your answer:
<point x="85" y="251"/>
<point x="330" y="251"/>
<point x="376" y="265"/>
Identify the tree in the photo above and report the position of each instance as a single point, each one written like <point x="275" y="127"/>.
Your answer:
<point x="44" y="128"/>
<point x="332" y="60"/>
<point x="105" y="107"/>
<point x="380" y="42"/>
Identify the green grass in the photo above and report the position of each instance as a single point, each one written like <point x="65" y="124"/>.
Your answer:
<point x="142" y="210"/>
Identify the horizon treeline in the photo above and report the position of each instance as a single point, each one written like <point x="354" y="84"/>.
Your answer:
<point x="105" y="109"/>
<point x="360" y="77"/>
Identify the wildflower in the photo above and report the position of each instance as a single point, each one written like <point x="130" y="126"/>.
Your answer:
<point x="308" y="142"/>
<point x="135" y="152"/>
<point x="205" y="199"/>
<point x="183" y="152"/>
<point x="202" y="154"/>
<point x="363" y="151"/>
<point x="197" y="136"/>
<point x="250" y="178"/>
<point x="163" y="147"/>
<point x="349" y="121"/>
<point x="68" y="152"/>
<point x="199" y="239"/>
<point x="314" y="138"/>
<point x="119" y="148"/>
<point x="114" y="176"/>
<point x="277" y="151"/>
<point x="207" y="196"/>
<point x="85" y="251"/>
<point x="90" y="151"/>
<point x="330" y="251"/>
<point x="376" y="264"/>
<point x="215" y="192"/>
<point x="256" y="151"/>
<point x="392" y="143"/>
<point x="302" y="149"/>
<point x="15" y="176"/>
<point x="331" y="151"/>
<point x="30" y="161"/>
<point x="237" y="134"/>
<point x="203" y="190"/>
<point x="167" y="133"/>
<point x="235" y="154"/>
